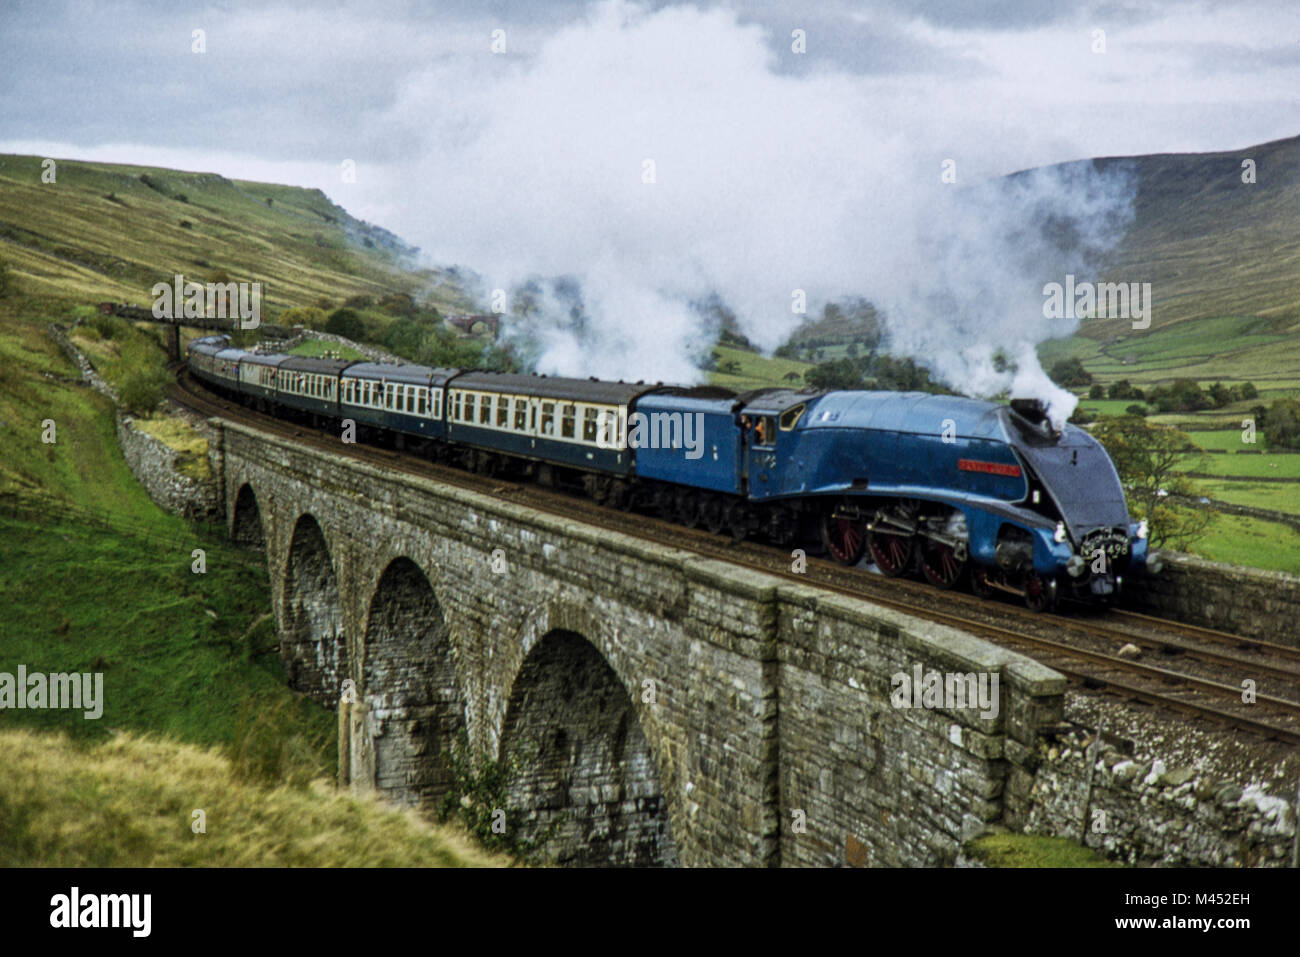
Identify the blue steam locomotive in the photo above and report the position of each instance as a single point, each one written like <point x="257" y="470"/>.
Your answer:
<point x="951" y="488"/>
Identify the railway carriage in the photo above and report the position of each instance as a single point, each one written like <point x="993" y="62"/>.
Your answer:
<point x="310" y="384"/>
<point x="554" y="420"/>
<point x="258" y="377"/>
<point x="213" y="360"/>
<point x="406" y="399"/>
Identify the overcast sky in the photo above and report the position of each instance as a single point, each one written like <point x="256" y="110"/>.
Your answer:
<point x="287" y="91"/>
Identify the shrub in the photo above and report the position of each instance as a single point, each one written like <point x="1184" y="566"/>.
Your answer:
<point x="109" y="327"/>
<point x="1282" y="424"/>
<point x="309" y="316"/>
<point x="1098" y="391"/>
<point x="346" y="323"/>
<point x="141" y="390"/>
<point x="1070" y="372"/>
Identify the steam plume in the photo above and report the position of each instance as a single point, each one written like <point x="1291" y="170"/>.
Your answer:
<point x="763" y="183"/>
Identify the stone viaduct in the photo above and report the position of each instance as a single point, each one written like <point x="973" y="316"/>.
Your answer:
<point x="659" y="708"/>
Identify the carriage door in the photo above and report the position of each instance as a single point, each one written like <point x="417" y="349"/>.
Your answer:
<point x="760" y="455"/>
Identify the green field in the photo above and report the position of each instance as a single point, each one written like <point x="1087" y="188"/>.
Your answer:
<point x="756" y="371"/>
<point x="1239" y="540"/>
<point x="315" y="347"/>
<point x="1231" y="350"/>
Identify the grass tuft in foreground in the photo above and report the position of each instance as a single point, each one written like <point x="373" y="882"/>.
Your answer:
<point x="1033" y="850"/>
<point x="130" y="802"/>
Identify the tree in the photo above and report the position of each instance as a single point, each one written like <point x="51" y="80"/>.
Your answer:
<point x="1146" y="457"/>
<point x="1123" y="389"/>
<point x="345" y="323"/>
<point x="1182" y="395"/>
<point x="1098" y="391"/>
<point x="1248" y="390"/>
<point x="1070" y="372"/>
<point x="1282" y="424"/>
<point x="836" y="374"/>
<point x="1220" y="395"/>
<point x="404" y="337"/>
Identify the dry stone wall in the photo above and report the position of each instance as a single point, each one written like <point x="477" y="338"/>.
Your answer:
<point x="1244" y="601"/>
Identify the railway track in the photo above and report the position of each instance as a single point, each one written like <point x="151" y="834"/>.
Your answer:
<point x="1200" y="671"/>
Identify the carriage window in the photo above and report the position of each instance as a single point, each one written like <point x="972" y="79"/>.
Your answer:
<point x="566" y="421"/>
<point x="765" y="430"/>
<point x="485" y="410"/>
<point x="423" y="401"/>
<point x="436" y="402"/>
<point x="410" y="398"/>
<point x="470" y="399"/>
<point x="503" y="412"/>
<point x="590" y="417"/>
<point x="548" y="418"/>
<point x="455" y="406"/>
<point x="521" y="414"/>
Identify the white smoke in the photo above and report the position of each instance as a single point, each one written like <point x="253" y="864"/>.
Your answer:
<point x="764" y="184"/>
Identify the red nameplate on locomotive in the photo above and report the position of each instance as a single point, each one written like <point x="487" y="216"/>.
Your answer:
<point x="992" y="468"/>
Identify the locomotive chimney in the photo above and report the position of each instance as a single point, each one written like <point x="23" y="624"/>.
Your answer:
<point x="1034" y="411"/>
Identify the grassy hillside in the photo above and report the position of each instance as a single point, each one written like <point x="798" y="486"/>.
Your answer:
<point x="129" y="802"/>
<point x="1210" y="244"/>
<point x="105" y="231"/>
<point x="98" y="578"/>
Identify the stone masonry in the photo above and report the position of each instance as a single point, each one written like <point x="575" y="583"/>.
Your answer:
<point x="1244" y="601"/>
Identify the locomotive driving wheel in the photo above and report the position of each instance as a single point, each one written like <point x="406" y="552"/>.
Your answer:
<point x="892" y="553"/>
<point x="845" y="539"/>
<point x="940" y="565"/>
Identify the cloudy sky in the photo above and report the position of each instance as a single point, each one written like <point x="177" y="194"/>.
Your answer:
<point x="288" y="90"/>
<point x="661" y="153"/>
